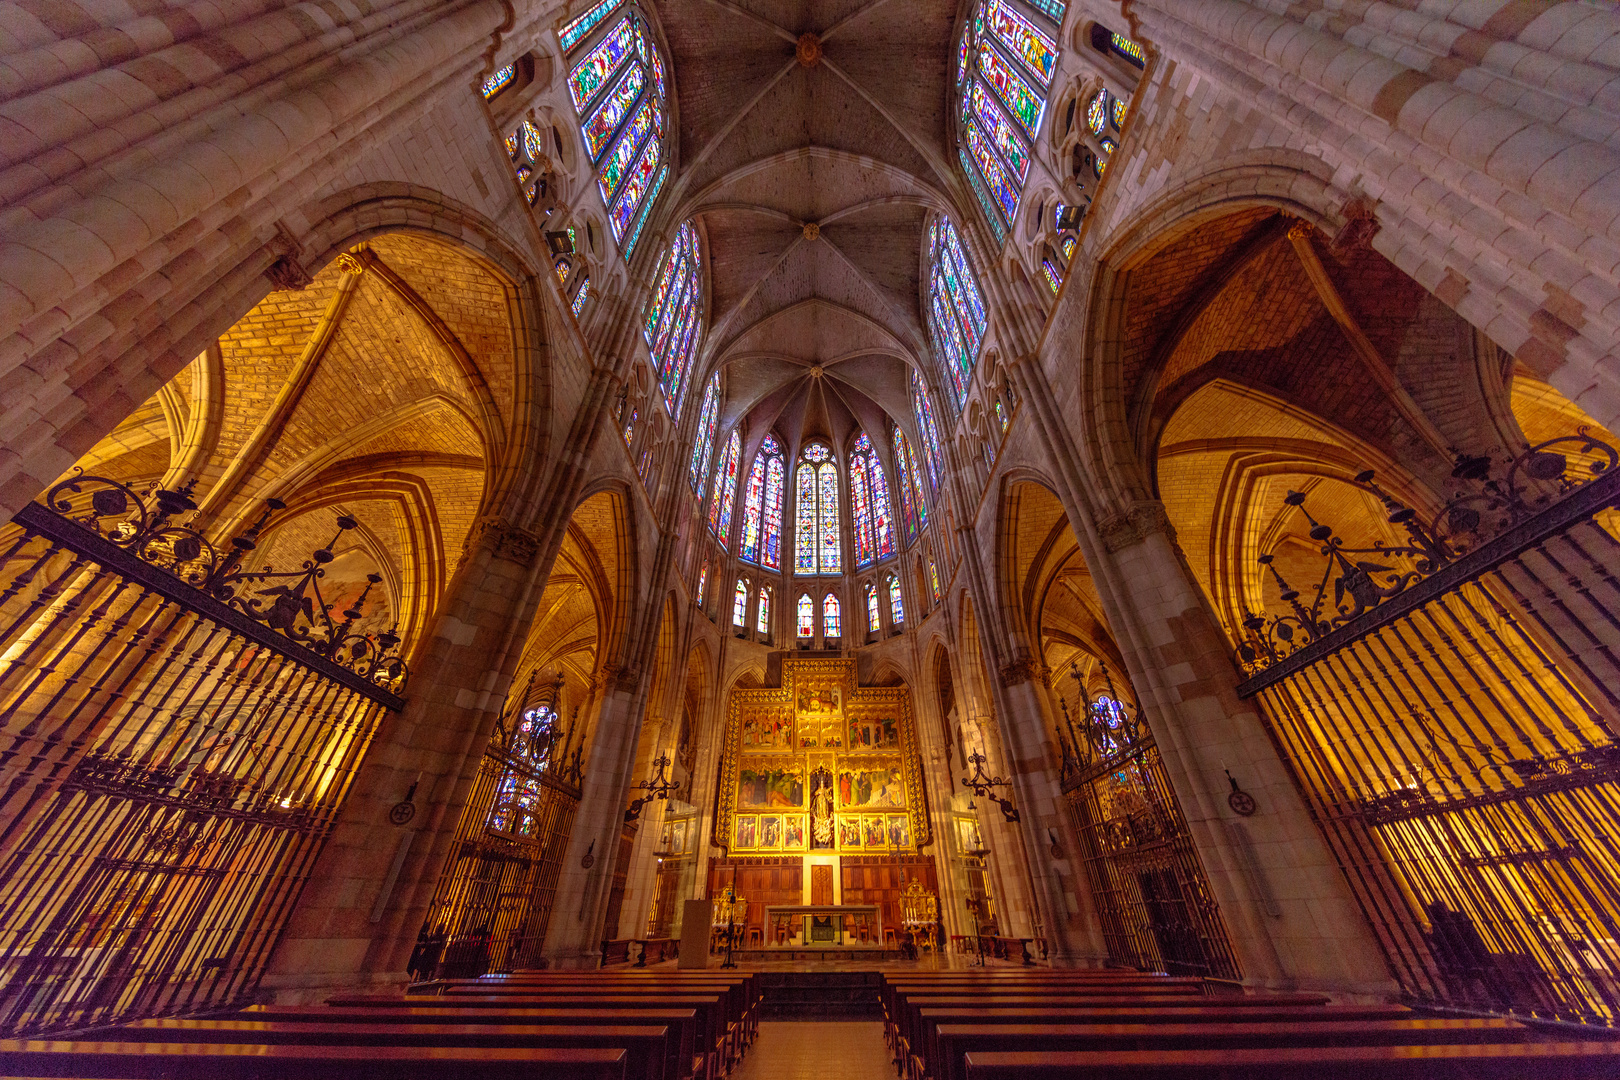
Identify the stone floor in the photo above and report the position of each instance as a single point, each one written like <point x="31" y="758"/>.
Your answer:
<point x="810" y="1050"/>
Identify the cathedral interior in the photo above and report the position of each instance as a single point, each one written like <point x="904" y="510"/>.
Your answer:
<point x="1105" y="485"/>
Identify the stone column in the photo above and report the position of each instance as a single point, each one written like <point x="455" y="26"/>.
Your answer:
<point x="1290" y="913"/>
<point x="356" y="921"/>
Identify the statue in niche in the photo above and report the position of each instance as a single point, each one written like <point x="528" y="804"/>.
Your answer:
<point x="821" y="809"/>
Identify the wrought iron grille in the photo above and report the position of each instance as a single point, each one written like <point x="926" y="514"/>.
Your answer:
<point x="493" y="904"/>
<point x="1152" y="897"/>
<point x="176" y="737"/>
<point x="1451" y="717"/>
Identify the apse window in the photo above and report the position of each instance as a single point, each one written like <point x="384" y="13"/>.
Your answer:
<point x="620" y="95"/>
<point x="913" y="507"/>
<point x="806" y="617"/>
<point x="703" y="445"/>
<point x="869" y="505"/>
<point x="816" y="538"/>
<point x="762" y="508"/>
<point x="722" y="500"/>
<point x="674" y="321"/>
<point x="873" y="619"/>
<point x="924" y="414"/>
<point x="1004" y="67"/>
<point x="739" y="604"/>
<point x="956" y="318"/>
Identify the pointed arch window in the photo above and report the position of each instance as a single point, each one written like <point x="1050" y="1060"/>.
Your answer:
<point x="933" y="580"/>
<point x="806" y="619"/>
<point x="913" y="507"/>
<point x="872" y="518"/>
<point x="762" y="507"/>
<point x="762" y="619"/>
<point x="630" y="426"/>
<point x="675" y="316"/>
<point x="725" y="489"/>
<point x="831" y="622"/>
<point x="703" y="446"/>
<point x="817" y="546"/>
<point x="924" y="413"/>
<point x="897" y="606"/>
<point x="1004" y="69"/>
<point x="620" y="95"/>
<point x="873" y="622"/>
<point x="703" y="583"/>
<point x="956" y="318"/>
<point x="739" y="603"/>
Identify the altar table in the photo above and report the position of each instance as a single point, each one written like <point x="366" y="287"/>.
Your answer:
<point x="805" y="913"/>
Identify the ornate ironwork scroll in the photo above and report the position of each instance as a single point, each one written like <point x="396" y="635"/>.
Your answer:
<point x="1451" y="716"/>
<point x="177" y="735"/>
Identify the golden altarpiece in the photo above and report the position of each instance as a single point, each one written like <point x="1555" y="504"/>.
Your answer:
<point x="821" y="782"/>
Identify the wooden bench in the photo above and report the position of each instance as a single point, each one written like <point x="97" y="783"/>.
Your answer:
<point x="1520" y="1061"/>
<point x="260" y="1061"/>
<point x="951" y="1043"/>
<point x="681" y="1023"/>
<point x="646" y="1047"/>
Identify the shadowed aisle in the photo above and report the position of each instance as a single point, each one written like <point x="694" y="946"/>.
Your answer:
<point x="845" y="1050"/>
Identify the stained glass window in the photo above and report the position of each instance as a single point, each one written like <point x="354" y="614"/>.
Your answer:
<point x="762" y="508"/>
<point x="1005" y="64"/>
<point x="498" y="81"/>
<point x="1130" y="50"/>
<point x="630" y="427"/>
<point x="725" y="489"/>
<point x="897" y="606"/>
<point x="762" y="621"/>
<point x="518" y="793"/>
<point x="1067" y="246"/>
<point x="806" y="616"/>
<point x="872" y="620"/>
<point x="581" y="295"/>
<point x="674" y="314"/>
<point x="924" y="413"/>
<point x="619" y="93"/>
<point x="830" y="621"/>
<point x="1116" y="112"/>
<point x="703" y="583"/>
<point x="1097" y="113"/>
<point x="1053" y="276"/>
<point x="956" y="307"/>
<point x="933" y="579"/>
<point x="913" y="507"/>
<point x="739" y="604"/>
<point x="816" y="539"/>
<point x="869" y="506"/>
<point x="703" y="446"/>
<point x="524" y="147"/>
<point x="1001" y="414"/>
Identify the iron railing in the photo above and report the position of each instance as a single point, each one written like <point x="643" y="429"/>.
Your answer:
<point x="1451" y="718"/>
<point x="176" y="737"/>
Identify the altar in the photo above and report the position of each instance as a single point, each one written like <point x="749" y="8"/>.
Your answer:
<point x="820" y="923"/>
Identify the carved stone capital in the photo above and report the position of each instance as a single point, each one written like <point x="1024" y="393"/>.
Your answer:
<point x="1022" y="671"/>
<point x="1134" y="525"/>
<point x="503" y="540"/>
<point x="1359" y="228"/>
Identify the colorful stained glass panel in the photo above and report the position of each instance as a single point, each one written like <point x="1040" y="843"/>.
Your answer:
<point x="576" y="31"/>
<point x="1038" y="52"/>
<point x="831" y="624"/>
<point x="624" y="150"/>
<point x="704" y="445"/>
<point x="995" y="125"/>
<point x="805" y="528"/>
<point x="829" y="545"/>
<point x="990" y="168"/>
<point x="725" y="489"/>
<point x="593" y="72"/>
<point x="636" y="186"/>
<point x="614" y="108"/>
<point x="897" y="606"/>
<point x="806" y="617"/>
<point x="1021" y="100"/>
<point x="498" y="81"/>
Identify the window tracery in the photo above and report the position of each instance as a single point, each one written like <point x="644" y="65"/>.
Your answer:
<point x="956" y="307"/>
<point x="725" y="490"/>
<point x="1005" y="63"/>
<point x="816" y="537"/>
<point x="675" y="316"/>
<point x="618" y="90"/>
<point x="762" y="508"/>
<point x="703" y="445"/>
<point x="872" y="520"/>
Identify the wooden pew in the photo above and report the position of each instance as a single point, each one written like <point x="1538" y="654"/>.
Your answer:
<point x="1521" y="1061"/>
<point x="257" y="1061"/>
<point x="646" y="1047"/>
<point x="682" y="1023"/>
<point x="951" y="1043"/>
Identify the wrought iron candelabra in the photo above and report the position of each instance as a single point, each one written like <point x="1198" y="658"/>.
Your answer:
<point x="661" y="786"/>
<point x="983" y="785"/>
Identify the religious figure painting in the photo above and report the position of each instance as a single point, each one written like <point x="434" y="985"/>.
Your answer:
<point x="875" y="788"/>
<point x="849" y="832"/>
<point x="793" y="832"/>
<point x="770" y="787"/>
<point x="899" y="830"/>
<point x="747" y="832"/>
<point x="821" y="808"/>
<point x="821" y="718"/>
<point x="770" y="831"/>
<point x="881" y="734"/>
<point x="763" y="732"/>
<point x="875" y="836"/>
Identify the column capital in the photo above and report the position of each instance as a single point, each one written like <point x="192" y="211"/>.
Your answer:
<point x="504" y="540"/>
<point x="1023" y="670"/>
<point x="1134" y="524"/>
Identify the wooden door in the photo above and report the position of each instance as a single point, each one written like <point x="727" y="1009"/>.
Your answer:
<point x="821" y="884"/>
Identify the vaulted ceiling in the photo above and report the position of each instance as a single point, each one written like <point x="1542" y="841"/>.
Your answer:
<point x="813" y="142"/>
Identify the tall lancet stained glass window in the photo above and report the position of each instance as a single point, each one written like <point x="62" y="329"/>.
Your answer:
<point x="956" y="318"/>
<point x="817" y="547"/>
<point x="806" y="616"/>
<point x="913" y="507"/>
<point x="762" y="507"/>
<point x="724" y="495"/>
<point x="703" y="445"/>
<point x="831" y="623"/>
<point x="924" y="413"/>
<point x="1004" y="67"/>
<point x="675" y="316"/>
<point x="617" y="84"/>
<point x="869" y="507"/>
